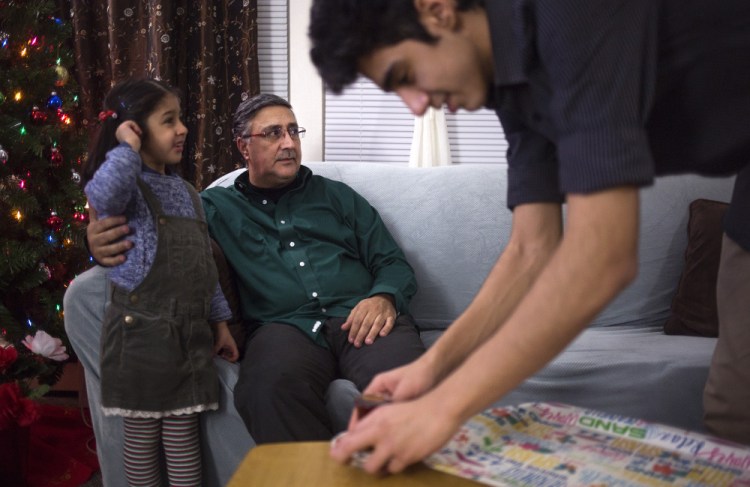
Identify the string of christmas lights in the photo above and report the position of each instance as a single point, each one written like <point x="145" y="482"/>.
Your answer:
<point x="43" y="212"/>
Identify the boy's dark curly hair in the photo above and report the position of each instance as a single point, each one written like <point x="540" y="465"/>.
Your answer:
<point x="344" y="31"/>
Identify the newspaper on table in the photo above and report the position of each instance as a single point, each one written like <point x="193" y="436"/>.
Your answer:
<point x="550" y="445"/>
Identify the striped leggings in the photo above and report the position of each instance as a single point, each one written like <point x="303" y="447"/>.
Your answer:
<point x="179" y="436"/>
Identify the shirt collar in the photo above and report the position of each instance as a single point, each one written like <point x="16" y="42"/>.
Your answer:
<point x="242" y="181"/>
<point x="506" y="48"/>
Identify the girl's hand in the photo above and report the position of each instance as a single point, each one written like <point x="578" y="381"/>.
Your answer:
<point x="224" y="344"/>
<point x="129" y="132"/>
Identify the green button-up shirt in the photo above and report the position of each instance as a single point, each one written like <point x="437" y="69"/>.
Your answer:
<point x="314" y="254"/>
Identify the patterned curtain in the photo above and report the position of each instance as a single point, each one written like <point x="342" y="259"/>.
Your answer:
<point x="206" y="48"/>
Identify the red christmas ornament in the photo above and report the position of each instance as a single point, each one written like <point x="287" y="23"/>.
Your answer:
<point x="55" y="157"/>
<point x="38" y="116"/>
<point x="59" y="271"/>
<point x="54" y="222"/>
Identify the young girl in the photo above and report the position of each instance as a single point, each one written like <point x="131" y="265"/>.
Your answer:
<point x="156" y="352"/>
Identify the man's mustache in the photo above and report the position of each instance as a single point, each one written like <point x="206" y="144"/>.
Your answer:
<point x="287" y="154"/>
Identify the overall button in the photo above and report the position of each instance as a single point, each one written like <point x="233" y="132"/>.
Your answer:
<point x="133" y="298"/>
<point x="162" y="221"/>
<point x="129" y="320"/>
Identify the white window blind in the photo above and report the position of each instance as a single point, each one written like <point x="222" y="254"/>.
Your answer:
<point x="365" y="124"/>
<point x="273" y="47"/>
<point x="476" y="137"/>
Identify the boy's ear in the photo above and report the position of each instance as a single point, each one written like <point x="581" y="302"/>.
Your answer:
<point x="437" y="15"/>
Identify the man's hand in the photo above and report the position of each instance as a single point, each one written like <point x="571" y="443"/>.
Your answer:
<point x="373" y="316"/>
<point x="105" y="237"/>
<point x="224" y="344"/>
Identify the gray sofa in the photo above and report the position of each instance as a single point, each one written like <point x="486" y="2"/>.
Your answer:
<point x="452" y="222"/>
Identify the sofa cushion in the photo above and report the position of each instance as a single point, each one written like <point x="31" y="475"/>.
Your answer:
<point x="662" y="241"/>
<point x="694" y="304"/>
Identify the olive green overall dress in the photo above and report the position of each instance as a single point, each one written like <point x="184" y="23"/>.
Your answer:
<point x="157" y="344"/>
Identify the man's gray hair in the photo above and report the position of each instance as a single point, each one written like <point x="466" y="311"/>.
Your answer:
<point x="247" y="110"/>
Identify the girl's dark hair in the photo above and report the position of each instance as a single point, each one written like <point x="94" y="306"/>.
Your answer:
<point x="132" y="99"/>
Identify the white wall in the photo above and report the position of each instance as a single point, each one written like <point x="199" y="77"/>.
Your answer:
<point x="305" y="86"/>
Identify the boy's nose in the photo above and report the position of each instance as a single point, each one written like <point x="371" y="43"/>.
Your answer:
<point x="416" y="100"/>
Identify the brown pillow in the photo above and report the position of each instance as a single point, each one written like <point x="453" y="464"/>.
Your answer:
<point x="229" y="287"/>
<point x="694" y="305"/>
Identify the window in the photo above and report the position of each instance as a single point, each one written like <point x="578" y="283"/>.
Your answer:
<point x="366" y="124"/>
<point x="273" y="47"/>
<point x="476" y="137"/>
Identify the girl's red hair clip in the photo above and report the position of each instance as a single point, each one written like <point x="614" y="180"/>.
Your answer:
<point x="107" y="114"/>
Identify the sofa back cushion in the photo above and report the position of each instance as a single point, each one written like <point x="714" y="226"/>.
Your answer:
<point x="663" y="239"/>
<point x="453" y="221"/>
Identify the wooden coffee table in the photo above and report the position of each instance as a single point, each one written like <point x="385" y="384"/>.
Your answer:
<point x="308" y="464"/>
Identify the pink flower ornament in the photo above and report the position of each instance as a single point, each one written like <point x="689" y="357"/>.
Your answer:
<point x="46" y="346"/>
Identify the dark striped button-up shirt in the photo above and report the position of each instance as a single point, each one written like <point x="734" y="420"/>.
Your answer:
<point x="597" y="94"/>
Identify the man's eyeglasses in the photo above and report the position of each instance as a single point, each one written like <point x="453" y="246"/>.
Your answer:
<point x="276" y="133"/>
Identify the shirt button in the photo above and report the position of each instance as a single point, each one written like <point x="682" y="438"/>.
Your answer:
<point x="314" y="295"/>
<point x="283" y="222"/>
<point x="292" y="244"/>
<point x="323" y="310"/>
<point x="133" y="298"/>
<point x="162" y="221"/>
<point x="265" y="202"/>
<point x="302" y="264"/>
<point x="129" y="320"/>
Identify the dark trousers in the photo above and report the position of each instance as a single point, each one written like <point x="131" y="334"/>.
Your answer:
<point x="284" y="375"/>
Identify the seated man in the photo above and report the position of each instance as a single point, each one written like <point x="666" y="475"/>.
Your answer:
<point x="322" y="285"/>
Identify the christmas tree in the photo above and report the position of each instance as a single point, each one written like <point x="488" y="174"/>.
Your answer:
<point x="42" y="207"/>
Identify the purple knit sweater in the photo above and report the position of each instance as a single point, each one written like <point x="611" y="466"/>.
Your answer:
<point x="113" y="191"/>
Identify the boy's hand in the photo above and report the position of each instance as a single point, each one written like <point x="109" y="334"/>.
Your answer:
<point x="224" y="344"/>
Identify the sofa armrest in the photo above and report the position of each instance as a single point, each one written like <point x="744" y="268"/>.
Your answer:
<point x="229" y="287"/>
